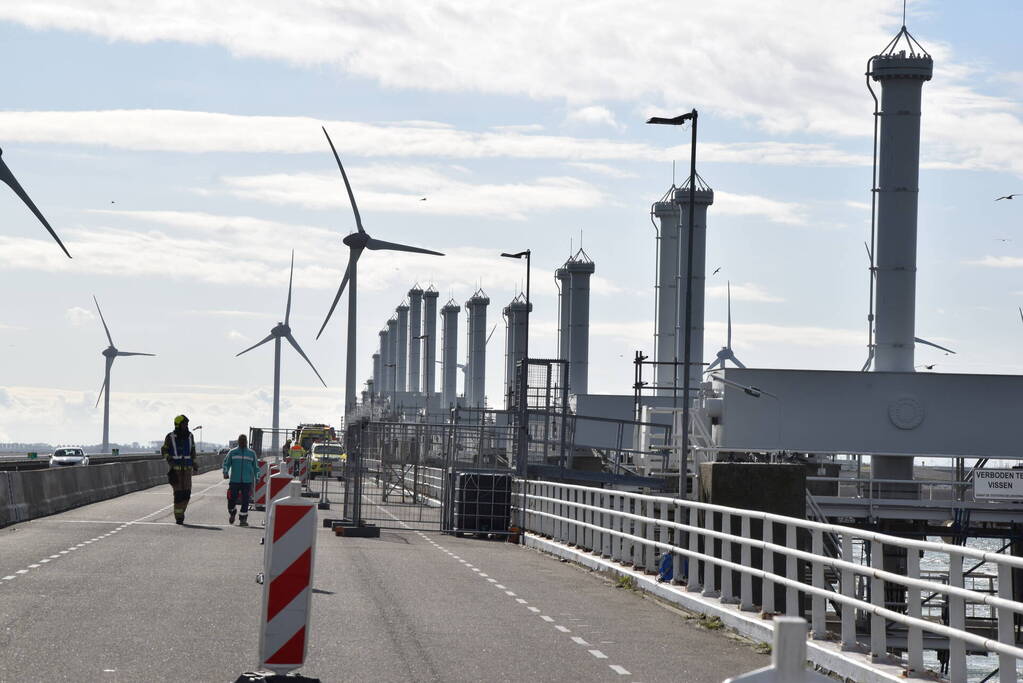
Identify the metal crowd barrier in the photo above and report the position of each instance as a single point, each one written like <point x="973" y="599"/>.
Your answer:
<point x="636" y="529"/>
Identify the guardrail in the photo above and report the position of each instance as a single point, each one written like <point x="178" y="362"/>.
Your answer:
<point x="638" y="529"/>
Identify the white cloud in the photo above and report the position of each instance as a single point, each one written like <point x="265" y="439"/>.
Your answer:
<point x="728" y="204"/>
<point x="998" y="262"/>
<point x="78" y="316"/>
<point x="575" y="55"/>
<point x="235" y="335"/>
<point x="400" y="188"/>
<point x="742" y="292"/>
<point x="593" y="115"/>
<point x="601" y="169"/>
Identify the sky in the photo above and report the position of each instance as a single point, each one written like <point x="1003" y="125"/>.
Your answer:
<point x="176" y="148"/>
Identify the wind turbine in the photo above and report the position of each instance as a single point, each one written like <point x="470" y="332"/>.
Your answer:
<point x="110" y="353"/>
<point x="356" y="242"/>
<point x="726" y="353"/>
<point x="282" y="331"/>
<point x="8" y="177"/>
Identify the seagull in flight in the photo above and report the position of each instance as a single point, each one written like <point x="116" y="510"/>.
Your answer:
<point x="927" y="367"/>
<point x="1003" y="239"/>
<point x="1008" y="196"/>
<point x="423" y="199"/>
<point x="716" y="270"/>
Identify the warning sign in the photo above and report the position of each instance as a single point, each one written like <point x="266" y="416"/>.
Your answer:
<point x="1002" y="484"/>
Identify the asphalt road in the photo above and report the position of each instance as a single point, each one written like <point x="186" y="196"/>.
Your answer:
<point x="116" y="591"/>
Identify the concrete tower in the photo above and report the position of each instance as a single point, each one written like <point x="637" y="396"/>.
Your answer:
<point x="901" y="76"/>
<point x="415" y="329"/>
<point x="561" y="277"/>
<point x="376" y="371"/>
<point x="401" y="346"/>
<point x="515" y="318"/>
<point x="476" y="359"/>
<point x="667" y="213"/>
<point x="449" y="367"/>
<point x="704" y="197"/>
<point x="382" y="387"/>
<point x="580" y="267"/>
<point x="390" y="376"/>
<point x="430" y="347"/>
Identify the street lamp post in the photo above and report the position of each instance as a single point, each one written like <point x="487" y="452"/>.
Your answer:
<point x="687" y="400"/>
<point x="199" y="429"/>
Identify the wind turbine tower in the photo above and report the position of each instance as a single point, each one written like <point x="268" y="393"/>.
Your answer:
<point x="415" y="298"/>
<point x="109" y="353"/>
<point x="703" y="197"/>
<point x="901" y="77"/>
<point x="449" y="354"/>
<point x="282" y="331"/>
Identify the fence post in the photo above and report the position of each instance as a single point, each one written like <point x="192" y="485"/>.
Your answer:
<point x="848" y="590"/>
<point x="693" y="578"/>
<point x="956" y="619"/>
<point x="709" y="583"/>
<point x="878" y="638"/>
<point x="914" y="636"/>
<point x="727" y="591"/>
<point x="746" y="559"/>
<point x="652" y="535"/>
<point x="767" y="564"/>
<point x="1006" y="663"/>
<point x="791" y="594"/>
<point x="818" y="626"/>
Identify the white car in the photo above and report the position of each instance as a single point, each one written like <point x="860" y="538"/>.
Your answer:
<point x="63" y="457"/>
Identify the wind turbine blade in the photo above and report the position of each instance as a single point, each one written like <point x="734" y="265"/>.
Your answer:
<point x="353" y="258"/>
<point x="728" y="345"/>
<point x="134" y="353"/>
<point x="731" y="357"/>
<point x="8" y="177"/>
<point x="287" y="311"/>
<point x="348" y="186"/>
<point x="717" y="361"/>
<point x="291" y="340"/>
<point x="102" y="388"/>
<point x="392" y="246"/>
<point x="492" y="330"/>
<point x="1021" y="314"/>
<point x="109" y="338"/>
<point x="259" y="343"/>
<point x="918" y="340"/>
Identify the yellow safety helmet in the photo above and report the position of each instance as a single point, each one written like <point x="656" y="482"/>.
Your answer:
<point x="179" y="419"/>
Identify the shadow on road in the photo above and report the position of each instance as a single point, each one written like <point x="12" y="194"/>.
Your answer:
<point x="202" y="526"/>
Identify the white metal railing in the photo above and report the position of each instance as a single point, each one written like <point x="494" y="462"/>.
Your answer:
<point x="636" y="529"/>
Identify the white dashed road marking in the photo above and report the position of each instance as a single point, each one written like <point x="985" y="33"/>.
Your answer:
<point x="620" y="670"/>
<point x="579" y="641"/>
<point x="598" y="654"/>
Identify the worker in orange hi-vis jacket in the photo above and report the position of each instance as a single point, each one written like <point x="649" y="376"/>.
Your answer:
<point x="179" y="451"/>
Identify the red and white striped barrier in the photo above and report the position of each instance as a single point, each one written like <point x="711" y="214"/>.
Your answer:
<point x="259" y="490"/>
<point x="303" y="472"/>
<point x="287" y="583"/>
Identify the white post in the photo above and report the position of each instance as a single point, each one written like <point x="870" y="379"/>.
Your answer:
<point x="745" y="579"/>
<point x="817" y="606"/>
<point x="693" y="579"/>
<point x="914" y="636"/>
<point x="1006" y="663"/>
<point x="767" y="564"/>
<point x="849" y="591"/>
<point x="956" y="619"/>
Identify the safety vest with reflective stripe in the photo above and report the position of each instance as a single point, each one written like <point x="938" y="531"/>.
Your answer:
<point x="180" y="456"/>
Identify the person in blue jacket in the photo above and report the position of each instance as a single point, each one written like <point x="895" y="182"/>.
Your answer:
<point x="241" y="467"/>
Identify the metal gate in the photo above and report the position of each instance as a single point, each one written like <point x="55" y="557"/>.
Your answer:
<point x="427" y="477"/>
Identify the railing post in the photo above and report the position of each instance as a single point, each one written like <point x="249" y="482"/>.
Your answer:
<point x="617" y="542"/>
<point x="709" y="589"/>
<point x="693" y="576"/>
<point x="848" y="590"/>
<point x="606" y="539"/>
<point x="767" y="564"/>
<point x="878" y="638"/>
<point x="563" y="522"/>
<point x="818" y="626"/>
<point x="791" y="594"/>
<point x="628" y="527"/>
<point x="1006" y="663"/>
<point x="727" y="592"/>
<point x="914" y="636"/>
<point x="651" y="535"/>
<point x="745" y="579"/>
<point x="957" y="620"/>
<point x="574" y="498"/>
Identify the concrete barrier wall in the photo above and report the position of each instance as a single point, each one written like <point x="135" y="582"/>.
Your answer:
<point x="37" y="493"/>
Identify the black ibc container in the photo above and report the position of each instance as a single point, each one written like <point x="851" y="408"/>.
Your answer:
<point x="482" y="502"/>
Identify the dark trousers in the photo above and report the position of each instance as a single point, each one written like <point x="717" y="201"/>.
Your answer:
<point x="234" y="490"/>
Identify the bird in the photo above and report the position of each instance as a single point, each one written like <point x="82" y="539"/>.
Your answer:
<point x="716" y="270"/>
<point x="1003" y="239"/>
<point x="1008" y="196"/>
<point x="112" y="201"/>
<point x="927" y="367"/>
<point x="423" y="199"/>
